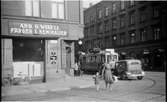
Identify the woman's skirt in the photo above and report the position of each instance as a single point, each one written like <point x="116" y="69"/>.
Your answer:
<point x="108" y="76"/>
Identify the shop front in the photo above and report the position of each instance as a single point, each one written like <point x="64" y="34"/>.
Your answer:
<point x="36" y="50"/>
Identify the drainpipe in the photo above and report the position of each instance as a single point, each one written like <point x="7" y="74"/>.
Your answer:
<point x="44" y="48"/>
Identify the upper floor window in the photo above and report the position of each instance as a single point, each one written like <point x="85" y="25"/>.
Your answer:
<point x="155" y="12"/>
<point x="132" y="37"/>
<point x="100" y="13"/>
<point x="114" y="40"/>
<point x="114" y="24"/>
<point x="100" y="28"/>
<point x="122" y="21"/>
<point x="143" y="16"/>
<point x="132" y="2"/>
<point x="106" y="25"/>
<point x="122" y="39"/>
<point x="114" y="7"/>
<point x="32" y="8"/>
<point x="156" y="31"/>
<point x="58" y="9"/>
<point x="122" y="5"/>
<point x="106" y="11"/>
<point x="132" y="18"/>
<point x="143" y="34"/>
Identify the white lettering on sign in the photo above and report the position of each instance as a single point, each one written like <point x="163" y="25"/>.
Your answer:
<point x="27" y="28"/>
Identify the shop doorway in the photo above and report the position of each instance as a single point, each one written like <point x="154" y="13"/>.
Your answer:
<point x="68" y="59"/>
<point x="28" y="58"/>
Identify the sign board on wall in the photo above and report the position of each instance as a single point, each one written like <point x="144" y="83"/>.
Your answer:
<point x="37" y="28"/>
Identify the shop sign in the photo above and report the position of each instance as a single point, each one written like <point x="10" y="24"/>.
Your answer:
<point x="36" y="28"/>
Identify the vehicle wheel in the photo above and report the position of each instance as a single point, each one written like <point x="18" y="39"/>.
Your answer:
<point x="123" y="76"/>
<point x="140" y="77"/>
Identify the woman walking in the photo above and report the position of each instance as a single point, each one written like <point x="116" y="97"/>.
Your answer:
<point x="107" y="75"/>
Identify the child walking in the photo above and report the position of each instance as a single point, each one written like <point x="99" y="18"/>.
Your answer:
<point x="97" y="81"/>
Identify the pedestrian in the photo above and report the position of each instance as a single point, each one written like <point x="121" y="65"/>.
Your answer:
<point x="107" y="75"/>
<point x="97" y="81"/>
<point x="76" y="69"/>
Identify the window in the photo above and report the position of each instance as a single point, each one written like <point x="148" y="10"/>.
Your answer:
<point x="122" y="5"/>
<point x="114" y="39"/>
<point x="106" y="11"/>
<point x="156" y="33"/>
<point x="28" y="7"/>
<point x="132" y="2"/>
<point x="114" y="24"/>
<point x="132" y="18"/>
<point x="100" y="27"/>
<point x="36" y="8"/>
<point x="28" y="49"/>
<point x="32" y="8"/>
<point x="143" y="15"/>
<point x="122" y="21"/>
<point x="132" y="37"/>
<point x="114" y="7"/>
<point x="155" y="12"/>
<point x="58" y="9"/>
<point x="107" y="25"/>
<point x="100" y="13"/>
<point x="122" y="39"/>
<point x="143" y="35"/>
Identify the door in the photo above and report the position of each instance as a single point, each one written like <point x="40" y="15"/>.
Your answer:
<point x="68" y="59"/>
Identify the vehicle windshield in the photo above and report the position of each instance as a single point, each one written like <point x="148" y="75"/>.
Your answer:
<point x="134" y="66"/>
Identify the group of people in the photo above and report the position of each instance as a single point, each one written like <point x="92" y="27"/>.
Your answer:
<point x="106" y="75"/>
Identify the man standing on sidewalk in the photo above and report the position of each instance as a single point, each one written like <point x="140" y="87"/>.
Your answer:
<point x="76" y="69"/>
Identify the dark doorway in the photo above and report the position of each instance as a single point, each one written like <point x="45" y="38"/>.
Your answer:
<point x="68" y="59"/>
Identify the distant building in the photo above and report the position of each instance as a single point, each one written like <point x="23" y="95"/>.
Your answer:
<point x="133" y="28"/>
<point x="38" y="37"/>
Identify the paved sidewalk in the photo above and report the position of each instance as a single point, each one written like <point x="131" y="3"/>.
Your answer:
<point x="55" y="85"/>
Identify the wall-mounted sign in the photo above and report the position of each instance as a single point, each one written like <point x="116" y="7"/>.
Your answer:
<point x="37" y="28"/>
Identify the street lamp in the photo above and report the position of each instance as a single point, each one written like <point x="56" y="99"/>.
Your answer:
<point x="80" y="42"/>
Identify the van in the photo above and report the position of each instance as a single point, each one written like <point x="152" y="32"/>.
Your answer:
<point x="128" y="69"/>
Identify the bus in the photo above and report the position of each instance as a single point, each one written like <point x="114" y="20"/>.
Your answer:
<point x="92" y="62"/>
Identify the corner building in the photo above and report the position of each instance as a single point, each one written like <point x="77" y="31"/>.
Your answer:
<point x="133" y="28"/>
<point x="37" y="37"/>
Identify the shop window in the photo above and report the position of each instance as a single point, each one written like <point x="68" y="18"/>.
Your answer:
<point x="28" y="50"/>
<point x="32" y="8"/>
<point x="58" y="9"/>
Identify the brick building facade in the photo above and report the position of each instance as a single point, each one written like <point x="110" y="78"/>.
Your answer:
<point x="38" y="37"/>
<point x="133" y="28"/>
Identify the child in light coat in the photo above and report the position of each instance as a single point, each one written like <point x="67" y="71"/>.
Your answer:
<point x="97" y="79"/>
